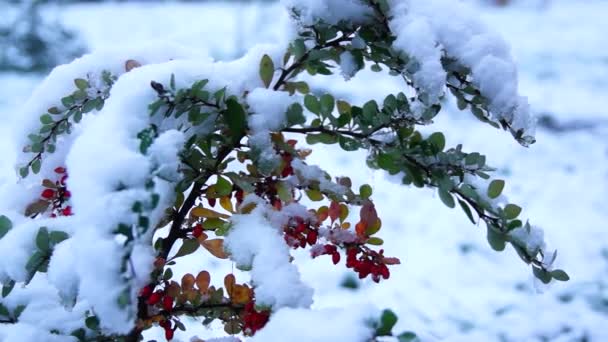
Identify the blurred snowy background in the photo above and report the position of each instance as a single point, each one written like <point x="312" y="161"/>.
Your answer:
<point x="451" y="285"/>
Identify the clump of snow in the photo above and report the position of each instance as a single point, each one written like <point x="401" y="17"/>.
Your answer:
<point x="530" y="237"/>
<point x="269" y="108"/>
<point x="324" y="325"/>
<point x="310" y="12"/>
<point x="348" y="65"/>
<point x="313" y="173"/>
<point x="254" y="242"/>
<point x="427" y="32"/>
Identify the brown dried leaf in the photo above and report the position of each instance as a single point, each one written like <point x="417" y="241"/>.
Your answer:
<point x="37" y="207"/>
<point x="203" y="279"/>
<point x="215" y="247"/>
<point x="188" y="282"/>
<point x="131" y="64"/>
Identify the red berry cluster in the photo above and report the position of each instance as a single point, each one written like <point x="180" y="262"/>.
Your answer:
<point x="299" y="233"/>
<point x="254" y="320"/>
<point x="329" y="249"/>
<point x="154" y="298"/>
<point x="56" y="193"/>
<point x="287" y="159"/>
<point x="169" y="331"/>
<point x="370" y="262"/>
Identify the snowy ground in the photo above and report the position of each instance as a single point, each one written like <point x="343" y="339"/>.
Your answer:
<point x="451" y="285"/>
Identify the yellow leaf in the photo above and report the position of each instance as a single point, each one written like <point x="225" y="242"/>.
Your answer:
<point x="246" y="209"/>
<point x="226" y="203"/>
<point x="207" y="213"/>
<point x="215" y="247"/>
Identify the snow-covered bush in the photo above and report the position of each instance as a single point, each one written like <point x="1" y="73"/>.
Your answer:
<point x="30" y="42"/>
<point x="133" y="159"/>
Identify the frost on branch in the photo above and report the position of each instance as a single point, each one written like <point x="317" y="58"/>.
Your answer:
<point x="134" y="160"/>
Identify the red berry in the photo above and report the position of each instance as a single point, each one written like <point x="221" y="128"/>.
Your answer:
<point x="67" y="211"/>
<point x="146" y="291"/>
<point x="48" y="193"/>
<point x="168" y="303"/>
<point x="211" y="201"/>
<point x="155" y="298"/>
<point x="67" y="194"/>
<point x="168" y="334"/>
<point x="63" y="179"/>
<point x="335" y="258"/>
<point x="197" y="231"/>
<point x="60" y="170"/>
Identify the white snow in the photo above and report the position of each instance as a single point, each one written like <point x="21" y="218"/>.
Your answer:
<point x="447" y="285"/>
<point x="326" y="325"/>
<point x="277" y="281"/>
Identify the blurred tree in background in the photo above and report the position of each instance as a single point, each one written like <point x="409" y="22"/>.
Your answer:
<point x="31" y="42"/>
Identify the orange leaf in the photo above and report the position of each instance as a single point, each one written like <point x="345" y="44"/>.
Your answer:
<point x="229" y="282"/>
<point x="202" y="238"/>
<point x="240" y="294"/>
<point x="215" y="247"/>
<point x="368" y="213"/>
<point x="322" y="213"/>
<point x="334" y="211"/>
<point x="360" y="229"/>
<point x="345" y="225"/>
<point x="188" y="282"/>
<point x="202" y="281"/>
<point x="207" y="213"/>
<point x="374" y="228"/>
<point x="226" y="203"/>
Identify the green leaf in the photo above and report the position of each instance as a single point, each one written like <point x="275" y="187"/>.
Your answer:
<point x="266" y="70"/>
<point x="188" y="247"/>
<point x="18" y="310"/>
<point x="496" y="240"/>
<point x="323" y="138"/>
<point x="438" y="140"/>
<point x="365" y="191"/>
<point x="407" y="336"/>
<point x="5" y="225"/>
<point x="81" y="83"/>
<point x="236" y="119"/>
<point x="7" y="288"/>
<point x="295" y="115"/>
<point x="24" y="171"/>
<point x="36" y="165"/>
<point x="560" y="275"/>
<point x="327" y="104"/>
<point x="375" y="241"/>
<point x="4" y="311"/>
<point x="46" y="119"/>
<point x="92" y="323"/>
<point x="387" y="322"/>
<point x="495" y="188"/>
<point x="43" y="240"/>
<point x="512" y="211"/>
<point x="467" y="210"/>
<point x="542" y="275"/>
<point x="57" y="236"/>
<point x="446" y="198"/>
<point x="223" y="187"/>
<point x="312" y="104"/>
<point x="314" y="195"/>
